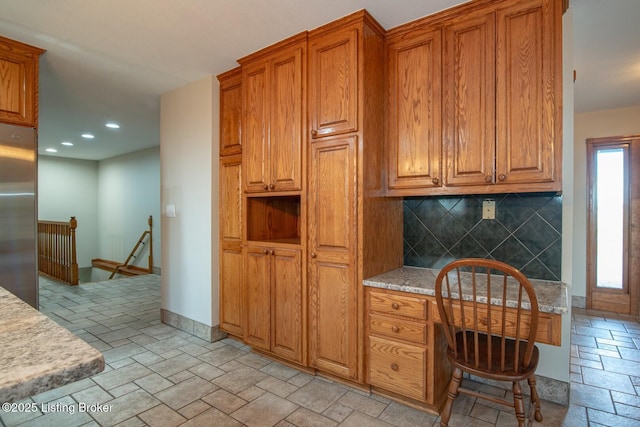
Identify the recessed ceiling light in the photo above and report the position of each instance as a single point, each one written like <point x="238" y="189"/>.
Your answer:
<point x="67" y="143"/>
<point x="87" y="135"/>
<point x="51" y="150"/>
<point x="113" y="125"/>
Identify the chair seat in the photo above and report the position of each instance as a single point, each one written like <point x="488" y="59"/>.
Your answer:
<point x="493" y="370"/>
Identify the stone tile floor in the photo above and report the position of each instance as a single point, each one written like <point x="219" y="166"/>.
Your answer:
<point x="159" y="376"/>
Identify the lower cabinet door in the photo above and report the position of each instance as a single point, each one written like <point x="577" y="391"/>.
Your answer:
<point x="398" y="367"/>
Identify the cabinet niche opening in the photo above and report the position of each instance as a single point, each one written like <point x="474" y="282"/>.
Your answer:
<point x="274" y="219"/>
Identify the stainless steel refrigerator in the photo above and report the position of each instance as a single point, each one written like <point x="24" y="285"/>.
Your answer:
<point x="18" y="212"/>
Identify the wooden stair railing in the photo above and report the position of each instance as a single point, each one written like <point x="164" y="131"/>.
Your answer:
<point x="57" y="250"/>
<point x="125" y="268"/>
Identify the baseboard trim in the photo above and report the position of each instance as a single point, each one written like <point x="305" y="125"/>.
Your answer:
<point x="193" y="327"/>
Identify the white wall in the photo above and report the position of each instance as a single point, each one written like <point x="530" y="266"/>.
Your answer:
<point x="189" y="180"/>
<point x="625" y="121"/>
<point x="66" y="188"/>
<point x="555" y="361"/>
<point x="111" y="200"/>
<point x="129" y="191"/>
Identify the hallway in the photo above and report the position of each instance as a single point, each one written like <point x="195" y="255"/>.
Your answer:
<point x="157" y="375"/>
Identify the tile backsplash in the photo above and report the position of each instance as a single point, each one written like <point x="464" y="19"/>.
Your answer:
<point x="525" y="233"/>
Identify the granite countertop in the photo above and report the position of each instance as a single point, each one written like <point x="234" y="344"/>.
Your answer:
<point x="37" y="354"/>
<point x="552" y="296"/>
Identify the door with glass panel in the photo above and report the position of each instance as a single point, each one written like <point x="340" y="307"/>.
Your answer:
<point x="613" y="273"/>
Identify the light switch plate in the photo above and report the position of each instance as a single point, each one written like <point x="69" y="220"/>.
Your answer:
<point x="488" y="209"/>
<point x="170" y="211"/>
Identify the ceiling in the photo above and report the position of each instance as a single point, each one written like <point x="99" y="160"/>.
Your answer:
<point x="110" y="60"/>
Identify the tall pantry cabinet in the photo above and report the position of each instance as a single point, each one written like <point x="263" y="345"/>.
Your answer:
<point x="274" y="230"/>
<point x="354" y="231"/>
<point x="230" y="218"/>
<point x="314" y="218"/>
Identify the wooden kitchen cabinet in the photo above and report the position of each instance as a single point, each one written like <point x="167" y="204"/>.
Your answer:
<point x="333" y="83"/>
<point x="414" y="112"/>
<point x="231" y="271"/>
<point x="333" y="286"/>
<point x="353" y="230"/>
<point x="274" y="116"/>
<point x="231" y="205"/>
<point x="403" y="342"/>
<point x="490" y="122"/>
<point x="230" y="112"/>
<point x="502" y="98"/>
<point x="274" y="300"/>
<point x="19" y="83"/>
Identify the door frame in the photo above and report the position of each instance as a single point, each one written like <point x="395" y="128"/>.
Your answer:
<point x="627" y="299"/>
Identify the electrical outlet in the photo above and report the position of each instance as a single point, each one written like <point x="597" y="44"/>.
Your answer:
<point x="488" y="209"/>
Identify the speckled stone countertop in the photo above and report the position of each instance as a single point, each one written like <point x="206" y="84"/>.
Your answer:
<point x="37" y="354"/>
<point x="552" y="296"/>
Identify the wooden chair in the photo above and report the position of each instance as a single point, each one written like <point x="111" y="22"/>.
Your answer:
<point x="496" y="344"/>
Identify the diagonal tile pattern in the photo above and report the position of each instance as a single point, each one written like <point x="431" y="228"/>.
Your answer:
<point x="160" y="376"/>
<point x="526" y="232"/>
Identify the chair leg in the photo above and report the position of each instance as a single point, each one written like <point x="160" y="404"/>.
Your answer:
<point x="518" y="403"/>
<point x="534" y="398"/>
<point x="452" y="393"/>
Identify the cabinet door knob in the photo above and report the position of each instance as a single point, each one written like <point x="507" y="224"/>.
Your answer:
<point x="265" y="251"/>
<point x="395" y="305"/>
<point x="394" y="366"/>
<point x="502" y="177"/>
<point x="313" y="255"/>
<point x="271" y="186"/>
<point x="265" y="186"/>
<point x="395" y="328"/>
<point x="273" y="252"/>
<point x="488" y="178"/>
<point x="314" y="133"/>
<point x="435" y="181"/>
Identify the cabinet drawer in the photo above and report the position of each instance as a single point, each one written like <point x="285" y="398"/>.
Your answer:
<point x="398" y="328"/>
<point x="397" y="367"/>
<point x="549" y="325"/>
<point x="398" y="305"/>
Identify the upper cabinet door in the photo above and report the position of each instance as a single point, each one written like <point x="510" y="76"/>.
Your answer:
<point x="287" y="119"/>
<point x="415" y="111"/>
<point x="528" y="92"/>
<point x="274" y="118"/>
<point x="255" y="127"/>
<point x="18" y="83"/>
<point x="230" y="112"/>
<point x="469" y="100"/>
<point x="333" y="83"/>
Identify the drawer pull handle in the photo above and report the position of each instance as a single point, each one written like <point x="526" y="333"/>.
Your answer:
<point x="394" y="366"/>
<point x="394" y="328"/>
<point x="395" y="305"/>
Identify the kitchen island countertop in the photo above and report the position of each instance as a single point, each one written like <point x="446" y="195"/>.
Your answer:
<point x="37" y="354"/>
<point x="552" y="296"/>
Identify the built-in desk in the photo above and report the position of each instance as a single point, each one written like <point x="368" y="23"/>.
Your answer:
<point x="406" y="348"/>
<point x="37" y="354"/>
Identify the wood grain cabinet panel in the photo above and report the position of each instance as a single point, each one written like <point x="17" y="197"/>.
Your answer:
<point x="469" y="100"/>
<point x="415" y="111"/>
<point x="274" y="118"/>
<point x="405" y="348"/>
<point x="527" y="116"/>
<point x="230" y="112"/>
<point x="231" y="271"/>
<point x="19" y="83"/>
<point x="333" y="83"/>
<point x="333" y="290"/>
<point x="502" y="98"/>
<point x="274" y="300"/>
<point x="398" y="367"/>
